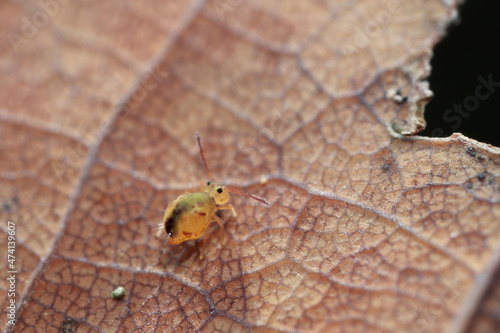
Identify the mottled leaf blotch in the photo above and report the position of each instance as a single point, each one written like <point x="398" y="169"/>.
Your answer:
<point x="69" y="326"/>
<point x="386" y="167"/>
<point x="471" y="152"/>
<point x="399" y="99"/>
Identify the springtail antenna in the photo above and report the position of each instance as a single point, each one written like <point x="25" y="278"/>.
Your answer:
<point x="203" y="156"/>
<point x="247" y="195"/>
<point x="228" y="189"/>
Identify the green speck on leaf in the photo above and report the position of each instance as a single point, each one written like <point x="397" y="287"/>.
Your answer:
<point x="118" y="293"/>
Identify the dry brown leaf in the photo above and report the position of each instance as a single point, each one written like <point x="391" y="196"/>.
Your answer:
<point x="368" y="230"/>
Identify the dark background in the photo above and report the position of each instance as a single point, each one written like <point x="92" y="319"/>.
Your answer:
<point x="470" y="49"/>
